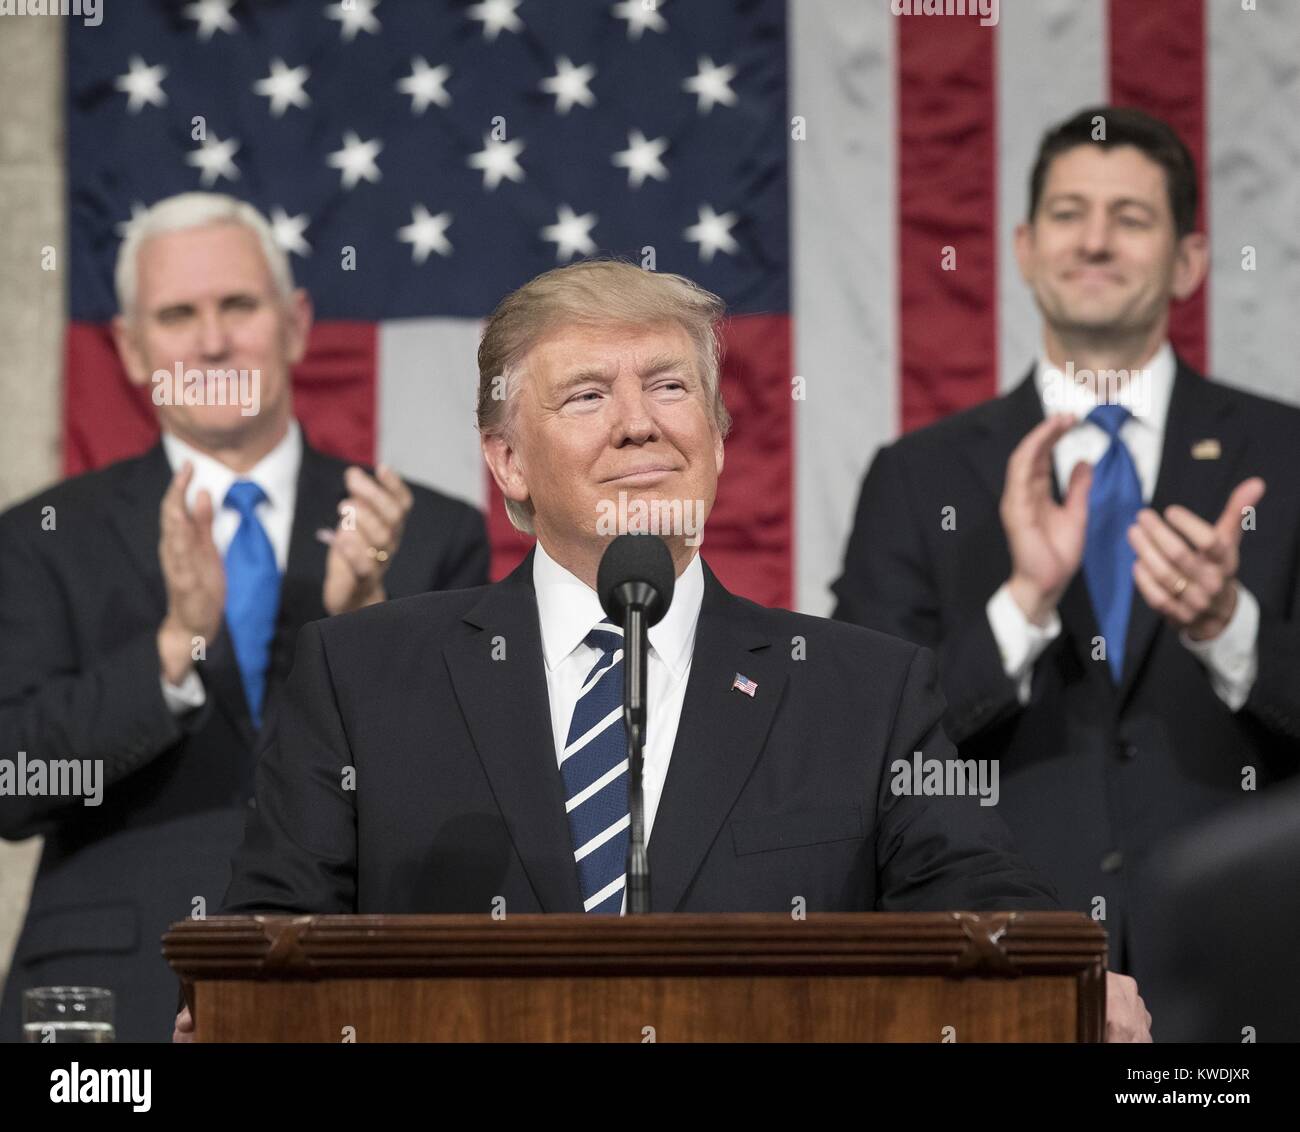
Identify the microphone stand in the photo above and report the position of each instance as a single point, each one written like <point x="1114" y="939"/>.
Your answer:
<point x="634" y="718"/>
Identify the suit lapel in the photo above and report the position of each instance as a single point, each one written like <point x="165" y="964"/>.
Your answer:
<point x="1197" y="411"/>
<point x="504" y="700"/>
<point x="136" y="518"/>
<point x="320" y="488"/>
<point x="719" y="738"/>
<point x="1001" y="428"/>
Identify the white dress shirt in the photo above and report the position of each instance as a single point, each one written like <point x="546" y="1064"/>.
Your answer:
<point x="567" y="609"/>
<point x="1230" y="658"/>
<point x="276" y="474"/>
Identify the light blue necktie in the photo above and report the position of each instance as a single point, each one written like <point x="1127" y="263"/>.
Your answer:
<point x="252" y="593"/>
<point x="594" y="770"/>
<point x="1113" y="503"/>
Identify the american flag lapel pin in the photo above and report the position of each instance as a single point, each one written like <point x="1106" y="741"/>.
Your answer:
<point x="744" y="684"/>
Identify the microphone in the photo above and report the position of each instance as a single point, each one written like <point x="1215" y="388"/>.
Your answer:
<point x="635" y="582"/>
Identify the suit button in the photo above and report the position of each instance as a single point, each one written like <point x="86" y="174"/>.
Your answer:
<point x="1128" y="750"/>
<point x="252" y="803"/>
<point x="1112" y="862"/>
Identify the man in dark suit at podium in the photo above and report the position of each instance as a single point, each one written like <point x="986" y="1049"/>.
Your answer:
<point x="148" y="610"/>
<point x="465" y="752"/>
<point x="1113" y="607"/>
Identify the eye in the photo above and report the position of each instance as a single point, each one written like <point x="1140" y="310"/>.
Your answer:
<point x="241" y="303"/>
<point x="1134" y="221"/>
<point x="173" y="316"/>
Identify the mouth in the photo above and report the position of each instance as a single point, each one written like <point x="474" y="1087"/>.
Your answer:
<point x="1093" y="276"/>
<point x="642" y="477"/>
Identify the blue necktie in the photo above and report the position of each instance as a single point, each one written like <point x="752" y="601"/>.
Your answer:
<point x="594" y="770"/>
<point x="1113" y="503"/>
<point x="252" y="593"/>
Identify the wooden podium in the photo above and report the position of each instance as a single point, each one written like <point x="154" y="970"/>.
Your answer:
<point x="1028" y="976"/>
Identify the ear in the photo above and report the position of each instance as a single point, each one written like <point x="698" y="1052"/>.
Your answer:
<point x="719" y="453"/>
<point x="300" y="316"/>
<point x="1191" y="262"/>
<point x="503" y="462"/>
<point x="126" y="339"/>
<point x="1024" y="248"/>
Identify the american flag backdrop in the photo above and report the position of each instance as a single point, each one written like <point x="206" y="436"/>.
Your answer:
<point x="809" y="160"/>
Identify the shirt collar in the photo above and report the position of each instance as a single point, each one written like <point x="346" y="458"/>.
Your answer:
<point x="276" y="473"/>
<point x="567" y="608"/>
<point x="1147" y="398"/>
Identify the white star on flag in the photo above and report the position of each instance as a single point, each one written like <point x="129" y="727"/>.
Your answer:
<point x="571" y="233"/>
<point x="710" y="84"/>
<point x="143" y="85"/>
<point x="122" y="226"/>
<point x="641" y="159"/>
<point x="497" y="16"/>
<point x="569" y="85"/>
<point x="426" y="233"/>
<point x="354" y="16"/>
<point x="284" y="87"/>
<point x="215" y="158"/>
<point x="356" y="159"/>
<point x="713" y="233"/>
<point x="498" y="159"/>
<point x="640" y="15"/>
<point x="212" y="16"/>
<point x="425" y="84"/>
<point x="288" y="231"/>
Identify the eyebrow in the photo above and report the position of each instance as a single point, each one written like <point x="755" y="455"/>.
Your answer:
<point x="233" y="296"/>
<point x="1122" y="202"/>
<point x="660" y="363"/>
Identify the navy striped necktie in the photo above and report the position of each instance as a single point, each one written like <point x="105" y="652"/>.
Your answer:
<point x="594" y="769"/>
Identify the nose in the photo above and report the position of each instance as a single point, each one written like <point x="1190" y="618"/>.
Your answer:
<point x="1095" y="234"/>
<point x="214" y="341"/>
<point x="633" y="421"/>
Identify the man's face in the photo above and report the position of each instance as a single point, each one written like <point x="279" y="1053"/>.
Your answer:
<point x="604" y="410"/>
<point x="1100" y="253"/>
<point x="205" y="299"/>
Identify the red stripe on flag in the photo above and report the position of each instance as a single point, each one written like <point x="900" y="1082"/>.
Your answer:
<point x="1157" y="64"/>
<point x="947" y="198"/>
<point x="105" y="418"/>
<point x="748" y="539"/>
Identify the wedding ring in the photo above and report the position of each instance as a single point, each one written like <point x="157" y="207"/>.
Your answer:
<point x="378" y="555"/>
<point x="1180" y="586"/>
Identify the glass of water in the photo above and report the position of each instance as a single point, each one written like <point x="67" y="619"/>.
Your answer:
<point x="68" y="1014"/>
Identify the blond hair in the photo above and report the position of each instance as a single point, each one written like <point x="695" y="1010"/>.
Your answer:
<point x="590" y="293"/>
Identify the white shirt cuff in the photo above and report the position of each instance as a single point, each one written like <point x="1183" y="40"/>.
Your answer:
<point x="1231" y="658"/>
<point x="1020" y="642"/>
<point x="185" y="696"/>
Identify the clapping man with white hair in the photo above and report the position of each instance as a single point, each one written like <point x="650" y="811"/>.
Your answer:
<point x="145" y="633"/>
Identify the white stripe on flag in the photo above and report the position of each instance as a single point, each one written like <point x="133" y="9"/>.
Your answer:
<point x="1253" y="147"/>
<point x="843" y="272"/>
<point x="1051" y="62"/>
<point x="428" y="384"/>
